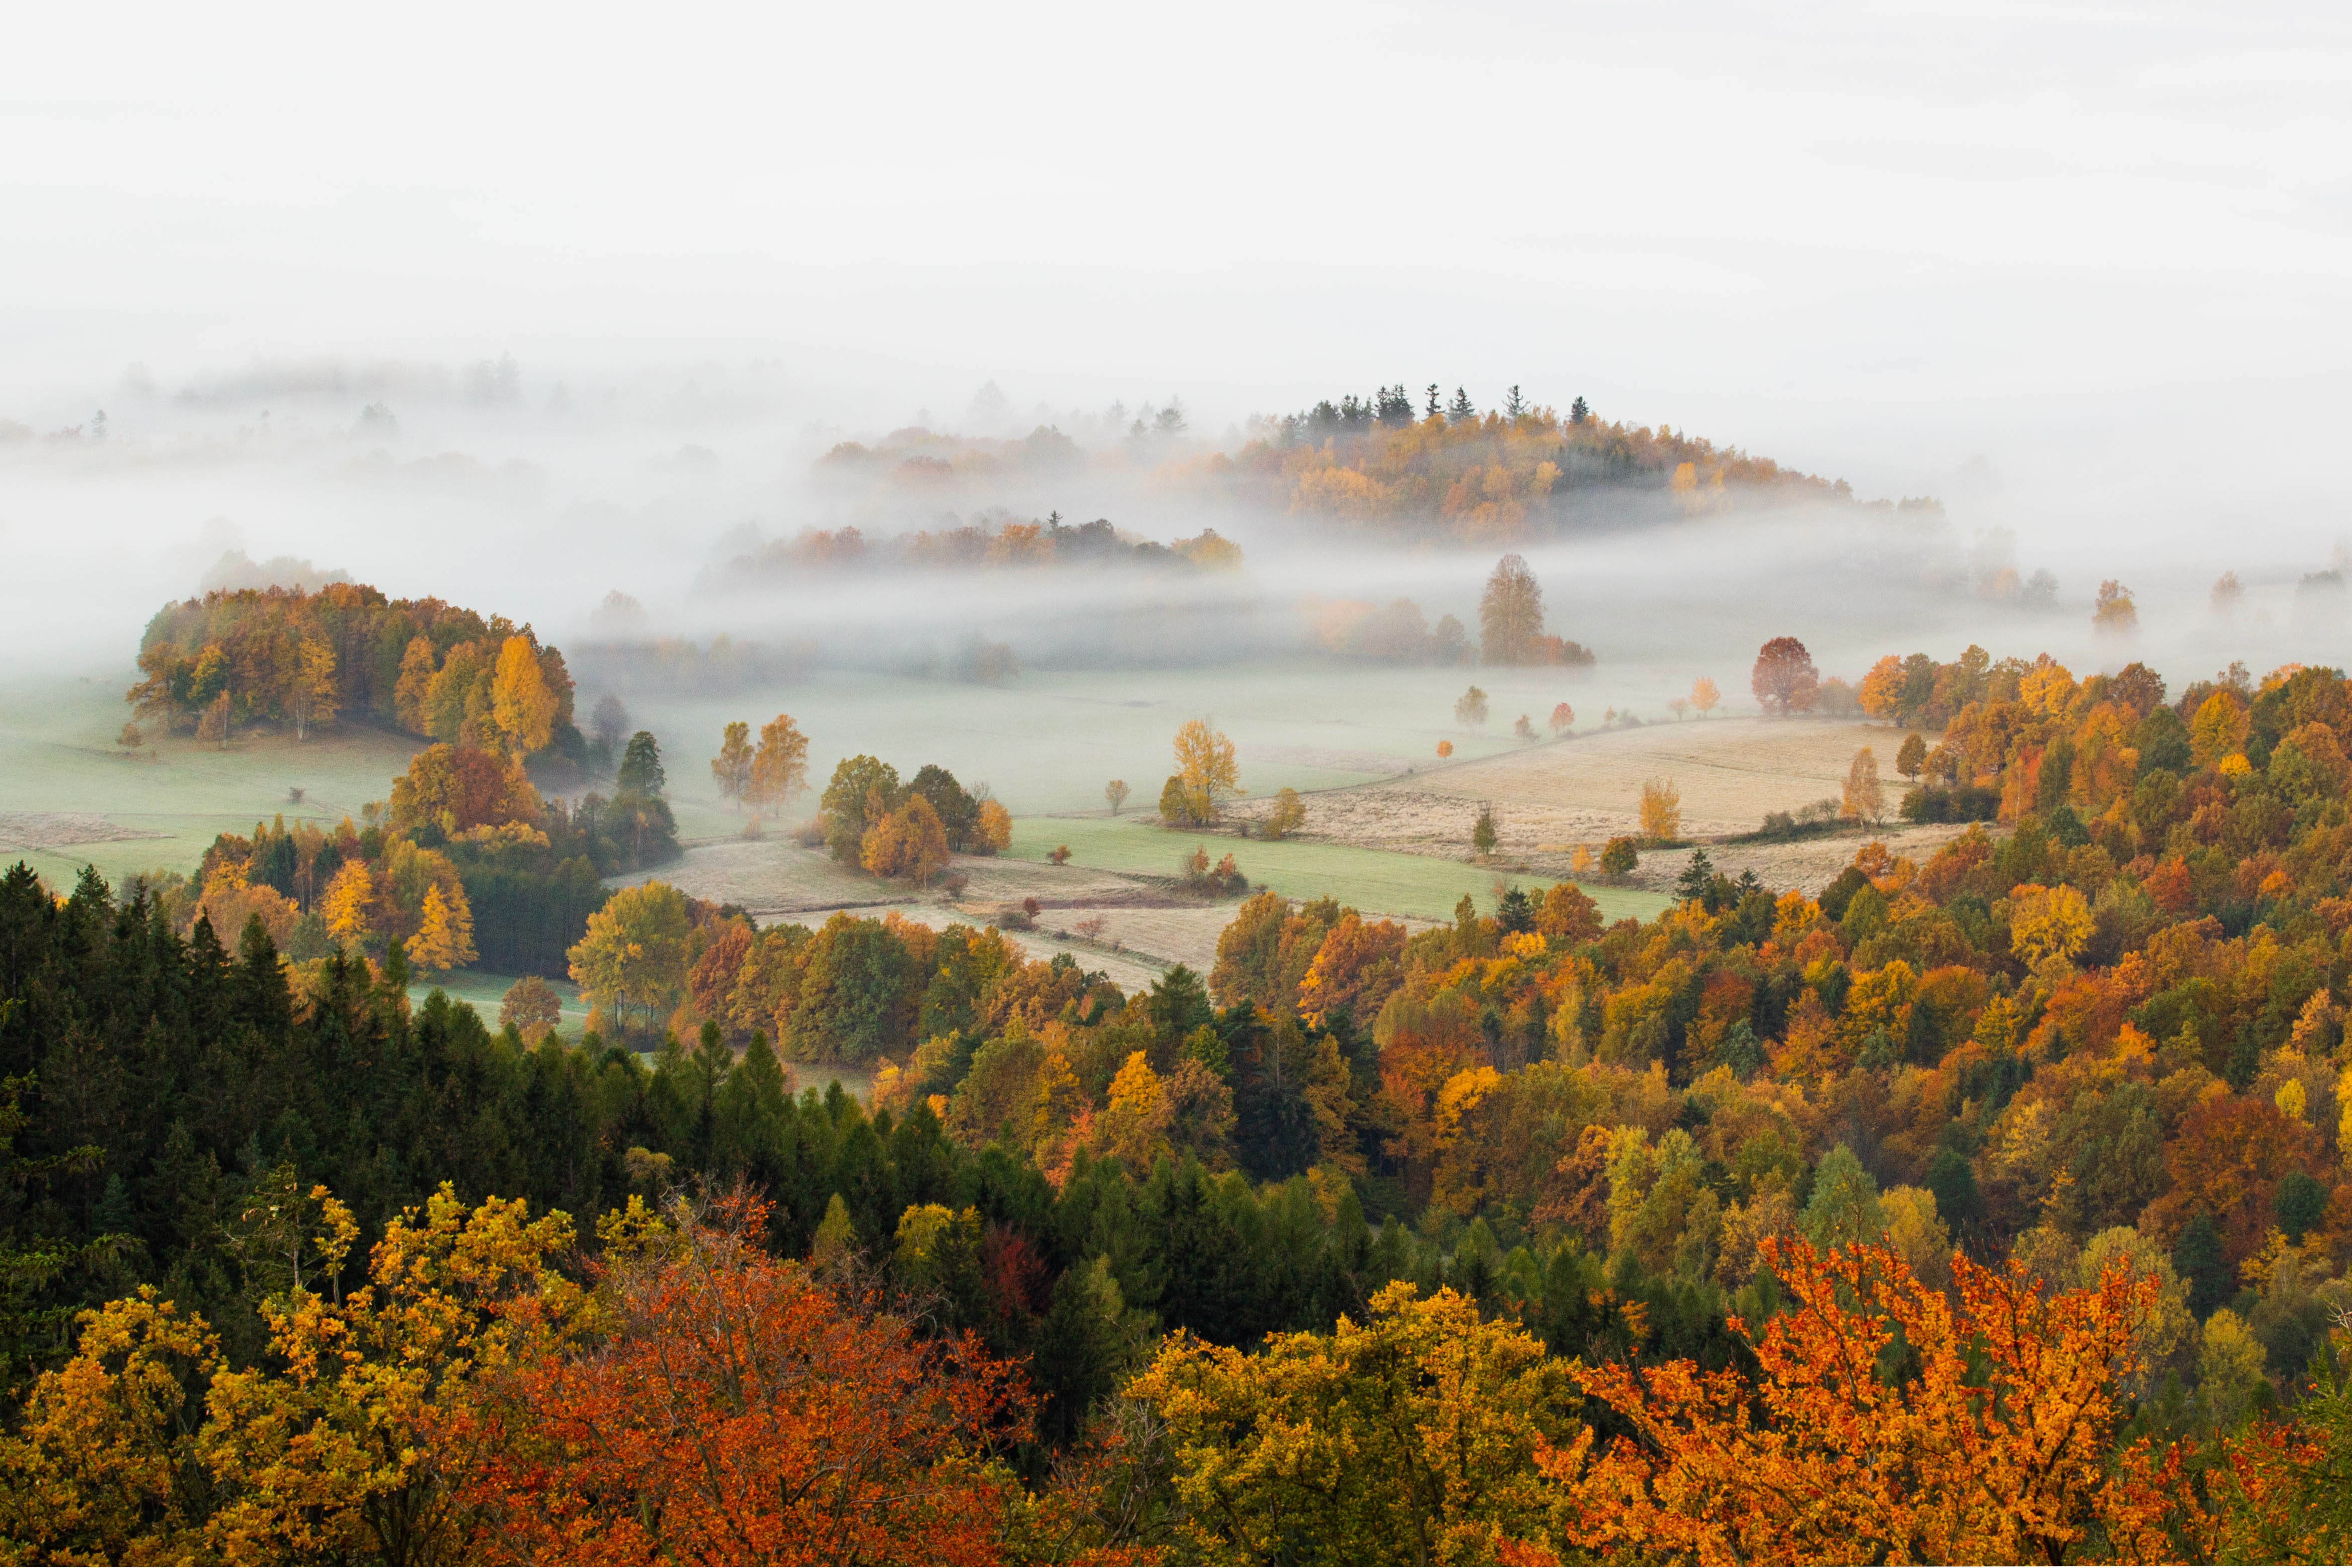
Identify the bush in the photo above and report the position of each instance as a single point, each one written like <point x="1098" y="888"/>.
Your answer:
<point x="1619" y="857"/>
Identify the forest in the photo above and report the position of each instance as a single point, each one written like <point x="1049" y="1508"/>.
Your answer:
<point x="2001" y="1196"/>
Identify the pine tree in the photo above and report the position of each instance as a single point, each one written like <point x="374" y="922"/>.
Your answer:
<point x="1514" y="406"/>
<point x="1432" y="410"/>
<point x="641" y="768"/>
<point x="1578" y="412"/>
<point x="1460" y="411"/>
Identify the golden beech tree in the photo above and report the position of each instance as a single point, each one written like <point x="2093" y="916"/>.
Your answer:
<point x="1705" y="696"/>
<point x="1662" y="811"/>
<point x="731" y="768"/>
<point x="780" y="767"/>
<point x="1995" y="1444"/>
<point x="1206" y="773"/>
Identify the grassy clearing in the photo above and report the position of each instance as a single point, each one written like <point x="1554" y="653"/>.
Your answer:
<point x="483" y="993"/>
<point x="1373" y="881"/>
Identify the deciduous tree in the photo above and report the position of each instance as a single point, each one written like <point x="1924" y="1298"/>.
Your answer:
<point x="1563" y="717"/>
<point x="521" y="704"/>
<point x="1510" y="614"/>
<point x="1996" y="1443"/>
<point x="1205" y="770"/>
<point x="1288" y="815"/>
<point x="633" y="958"/>
<point x="780" y="767"/>
<point x="1705" y="696"/>
<point x="1784" y="678"/>
<point x="2115" y="613"/>
<point x="1662" y="811"/>
<point x="1470" y="709"/>
<point x="731" y="768"/>
<point x="1864" y="799"/>
<point x="1911" y="756"/>
<point x="531" y="1006"/>
<point x="1116" y="793"/>
<point x="1408" y="1437"/>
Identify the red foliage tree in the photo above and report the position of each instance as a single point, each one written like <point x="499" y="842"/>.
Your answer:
<point x="2227" y="1160"/>
<point x="1784" y="678"/>
<point x="727" y="1407"/>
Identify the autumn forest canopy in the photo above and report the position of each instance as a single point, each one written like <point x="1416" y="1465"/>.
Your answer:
<point x="1992" y="1203"/>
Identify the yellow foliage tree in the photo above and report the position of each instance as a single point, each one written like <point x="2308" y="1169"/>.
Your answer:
<point x="1866" y="798"/>
<point x="445" y="931"/>
<point x="780" y="767"/>
<point x="732" y="766"/>
<point x="1289" y="814"/>
<point x="2047" y="922"/>
<point x="1408" y="1438"/>
<point x="994" y="829"/>
<point x="1133" y="1126"/>
<point x="633" y="955"/>
<point x="1705" y="696"/>
<point x="1206" y="772"/>
<point x="1882" y="689"/>
<point x="521" y="703"/>
<point x="349" y="906"/>
<point x="1662" y="810"/>
<point x="310" y="688"/>
<point x="2219" y="729"/>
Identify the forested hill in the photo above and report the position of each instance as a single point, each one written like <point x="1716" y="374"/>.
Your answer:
<point x="1445" y="469"/>
<point x="1507" y="473"/>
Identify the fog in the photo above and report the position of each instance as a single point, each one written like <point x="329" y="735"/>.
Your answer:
<point x="463" y="305"/>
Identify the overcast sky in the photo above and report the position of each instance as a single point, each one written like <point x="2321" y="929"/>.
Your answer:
<point x="2105" y="245"/>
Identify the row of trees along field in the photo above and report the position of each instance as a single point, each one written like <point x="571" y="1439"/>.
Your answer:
<point x="2040" y="1140"/>
<point x="465" y="863"/>
<point x="303" y="660"/>
<point x="1507" y="473"/>
<point x="1511" y="627"/>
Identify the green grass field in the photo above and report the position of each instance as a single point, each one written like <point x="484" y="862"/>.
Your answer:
<point x="1373" y="881"/>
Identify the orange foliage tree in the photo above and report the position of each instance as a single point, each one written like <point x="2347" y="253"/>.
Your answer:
<point x="729" y="1407"/>
<point x="1992" y="1441"/>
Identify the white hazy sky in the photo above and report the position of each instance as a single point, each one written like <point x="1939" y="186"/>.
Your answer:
<point x="2106" y="245"/>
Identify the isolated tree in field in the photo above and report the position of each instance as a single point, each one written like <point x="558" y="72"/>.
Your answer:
<point x="1911" y="756"/>
<point x="1562" y="718"/>
<point x="1206" y="770"/>
<point x="521" y="704"/>
<point x="731" y="768"/>
<point x="1116" y="793"/>
<point x="1784" y="678"/>
<point x="633" y="958"/>
<point x="1866" y="798"/>
<point x="130" y="740"/>
<point x="1677" y="705"/>
<point x="641" y="767"/>
<point x="1510" y="615"/>
<point x="310" y="688"/>
<point x="2228" y="593"/>
<point x="1618" y="857"/>
<point x="530" y="1007"/>
<point x="1289" y="814"/>
<point x="1704" y="696"/>
<point x="1470" y="709"/>
<point x="1524" y="728"/>
<point x="1662" y="811"/>
<point x="2115" y="613"/>
<point x="780" y="767"/>
<point x="1445" y="750"/>
<point x="1485" y="833"/>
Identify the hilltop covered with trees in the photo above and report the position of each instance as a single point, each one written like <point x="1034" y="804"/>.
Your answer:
<point x="305" y="661"/>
